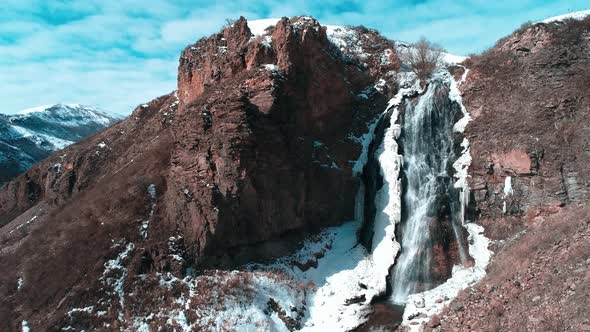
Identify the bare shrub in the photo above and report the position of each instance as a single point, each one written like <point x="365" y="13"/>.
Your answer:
<point x="572" y="31"/>
<point x="523" y="27"/>
<point x="473" y="60"/>
<point x="423" y="57"/>
<point x="229" y="22"/>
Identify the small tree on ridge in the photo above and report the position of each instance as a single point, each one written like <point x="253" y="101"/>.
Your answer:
<point x="423" y="57"/>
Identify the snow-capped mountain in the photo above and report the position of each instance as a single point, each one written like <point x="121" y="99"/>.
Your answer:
<point x="35" y="133"/>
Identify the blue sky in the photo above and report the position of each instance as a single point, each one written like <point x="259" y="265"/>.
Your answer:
<point x="118" y="54"/>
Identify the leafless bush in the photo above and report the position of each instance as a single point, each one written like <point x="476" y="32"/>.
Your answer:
<point x="229" y="22"/>
<point x="423" y="57"/>
<point x="523" y="27"/>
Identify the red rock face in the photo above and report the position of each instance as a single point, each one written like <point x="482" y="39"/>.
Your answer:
<point x="214" y="59"/>
<point x="530" y="108"/>
<point x="242" y="165"/>
<point x="267" y="145"/>
<point x="517" y="161"/>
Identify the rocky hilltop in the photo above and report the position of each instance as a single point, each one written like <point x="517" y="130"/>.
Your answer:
<point x="222" y="204"/>
<point x="34" y="134"/>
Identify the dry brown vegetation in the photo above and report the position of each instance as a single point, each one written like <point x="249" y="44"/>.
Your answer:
<point x="555" y="229"/>
<point x="538" y="282"/>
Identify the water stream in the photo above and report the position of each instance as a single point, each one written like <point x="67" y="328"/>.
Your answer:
<point x="431" y="206"/>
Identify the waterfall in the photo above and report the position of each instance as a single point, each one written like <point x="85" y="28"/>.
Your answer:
<point x="432" y="211"/>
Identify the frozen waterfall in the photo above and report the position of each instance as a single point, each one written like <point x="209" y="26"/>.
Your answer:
<point x="430" y="201"/>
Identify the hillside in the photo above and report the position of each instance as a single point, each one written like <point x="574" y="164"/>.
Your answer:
<point x="303" y="177"/>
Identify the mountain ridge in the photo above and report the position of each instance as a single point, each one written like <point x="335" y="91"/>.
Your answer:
<point x="34" y="133"/>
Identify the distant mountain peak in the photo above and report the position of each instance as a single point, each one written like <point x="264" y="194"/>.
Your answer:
<point x="68" y="108"/>
<point x="34" y="133"/>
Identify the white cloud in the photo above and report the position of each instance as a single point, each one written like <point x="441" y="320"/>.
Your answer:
<point x="117" y="54"/>
<point x="117" y="87"/>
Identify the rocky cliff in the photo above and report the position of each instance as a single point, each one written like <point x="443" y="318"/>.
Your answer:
<point x="527" y="97"/>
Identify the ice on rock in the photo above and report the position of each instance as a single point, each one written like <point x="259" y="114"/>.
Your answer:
<point x="433" y="301"/>
<point x="143" y="228"/>
<point x="507" y="186"/>
<point x="270" y="67"/>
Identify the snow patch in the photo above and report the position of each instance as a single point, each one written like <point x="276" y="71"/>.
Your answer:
<point x="25" y="326"/>
<point x="508" y="186"/>
<point x="270" y="67"/>
<point x="574" y="15"/>
<point x="143" y="228"/>
<point x="87" y="310"/>
<point x="255" y="301"/>
<point x="40" y="139"/>
<point x="452" y="59"/>
<point x="346" y="39"/>
<point x="66" y="114"/>
<point x="380" y="85"/>
<point x="507" y="192"/>
<point x="258" y="27"/>
<point x="19" y="283"/>
<point x="34" y="109"/>
<point x="115" y="273"/>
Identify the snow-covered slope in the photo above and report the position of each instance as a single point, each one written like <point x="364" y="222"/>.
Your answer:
<point x="33" y="134"/>
<point x="575" y="15"/>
